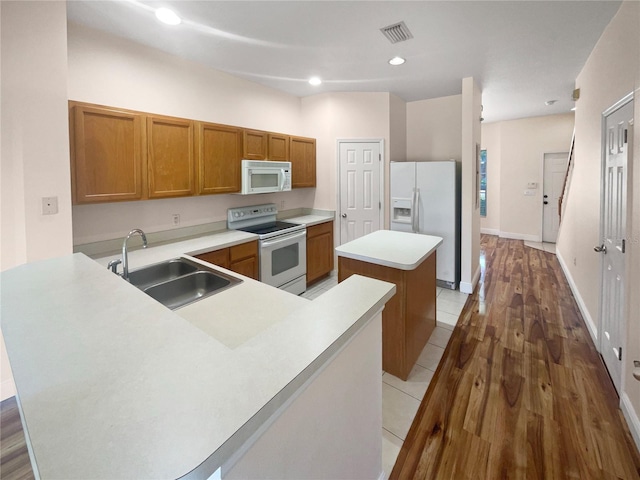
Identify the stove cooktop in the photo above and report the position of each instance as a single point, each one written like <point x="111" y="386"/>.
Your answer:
<point x="270" y="227"/>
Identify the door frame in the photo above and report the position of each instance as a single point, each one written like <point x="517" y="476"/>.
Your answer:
<point x="383" y="193"/>
<point x="603" y="160"/>
<point x="542" y="169"/>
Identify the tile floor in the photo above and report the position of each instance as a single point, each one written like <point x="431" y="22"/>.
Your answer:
<point x="400" y="399"/>
<point x="547" y="247"/>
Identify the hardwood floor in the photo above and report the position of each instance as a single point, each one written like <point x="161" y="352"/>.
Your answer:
<point x="521" y="391"/>
<point x="14" y="457"/>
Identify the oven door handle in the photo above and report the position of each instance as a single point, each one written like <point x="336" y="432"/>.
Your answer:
<point x="290" y="236"/>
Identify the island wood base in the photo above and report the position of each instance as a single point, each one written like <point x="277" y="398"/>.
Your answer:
<point x="409" y="317"/>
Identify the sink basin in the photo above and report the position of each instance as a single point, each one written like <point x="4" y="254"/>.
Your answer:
<point x="188" y="288"/>
<point x="161" y="272"/>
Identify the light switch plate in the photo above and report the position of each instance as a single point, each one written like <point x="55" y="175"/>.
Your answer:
<point x="49" y="205"/>
<point x="529" y="193"/>
<point x="532" y="185"/>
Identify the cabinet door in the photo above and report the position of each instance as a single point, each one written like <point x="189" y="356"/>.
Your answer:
<point x="170" y="157"/>
<point x="302" y="153"/>
<point x="106" y="154"/>
<point x="247" y="267"/>
<point x="217" y="257"/>
<point x="278" y="147"/>
<point x="219" y="155"/>
<point x="254" y="145"/>
<point x="319" y="251"/>
<point x="244" y="259"/>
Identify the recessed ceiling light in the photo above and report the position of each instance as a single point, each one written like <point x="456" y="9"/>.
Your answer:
<point x="548" y="103"/>
<point x="397" y="61"/>
<point x="167" y="16"/>
<point x="315" y="81"/>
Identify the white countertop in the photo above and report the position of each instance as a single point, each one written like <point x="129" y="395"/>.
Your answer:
<point x="309" y="220"/>
<point x="114" y="385"/>
<point x="401" y="250"/>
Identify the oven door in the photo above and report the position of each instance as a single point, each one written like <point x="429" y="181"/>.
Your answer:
<point x="283" y="259"/>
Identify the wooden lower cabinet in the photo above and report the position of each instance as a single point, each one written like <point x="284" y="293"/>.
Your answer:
<point x="242" y="259"/>
<point x="409" y="317"/>
<point x="319" y="251"/>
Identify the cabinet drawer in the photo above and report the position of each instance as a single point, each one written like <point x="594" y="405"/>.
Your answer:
<point x="217" y="257"/>
<point x="319" y="229"/>
<point x="244" y="250"/>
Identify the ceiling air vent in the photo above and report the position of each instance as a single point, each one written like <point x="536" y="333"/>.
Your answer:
<point x="397" y="32"/>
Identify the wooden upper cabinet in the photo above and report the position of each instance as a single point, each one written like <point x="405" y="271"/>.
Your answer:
<point x="255" y="145"/>
<point x="171" y="164"/>
<point x="278" y="147"/>
<point x="106" y="154"/>
<point x="302" y="154"/>
<point x="219" y="150"/>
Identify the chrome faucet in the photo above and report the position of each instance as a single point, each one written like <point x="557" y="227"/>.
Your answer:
<point x="125" y="260"/>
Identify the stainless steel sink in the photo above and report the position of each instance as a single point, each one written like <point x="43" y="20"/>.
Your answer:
<point x="179" y="282"/>
<point x="189" y="288"/>
<point x="161" y="272"/>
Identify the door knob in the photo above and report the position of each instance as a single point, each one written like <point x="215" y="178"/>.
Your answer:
<point x="636" y="369"/>
<point x="545" y="202"/>
<point x="344" y="215"/>
<point x="546" y="196"/>
<point x="600" y="248"/>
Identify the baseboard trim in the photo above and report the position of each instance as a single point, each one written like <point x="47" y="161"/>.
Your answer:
<point x="490" y="231"/>
<point x="7" y="389"/>
<point x="591" y="326"/>
<point x="466" y="287"/>
<point x="520" y="236"/>
<point x="631" y="416"/>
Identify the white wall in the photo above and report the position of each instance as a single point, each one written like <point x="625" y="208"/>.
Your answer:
<point x="491" y="134"/>
<point x="110" y="71"/>
<point x="610" y="73"/>
<point x="517" y="149"/>
<point x="470" y="209"/>
<point x="334" y="116"/>
<point x="434" y="129"/>
<point x="397" y="129"/>
<point x="35" y="147"/>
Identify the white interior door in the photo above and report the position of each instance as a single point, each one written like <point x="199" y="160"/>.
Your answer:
<point x="360" y="196"/>
<point x="614" y="217"/>
<point x="555" y="169"/>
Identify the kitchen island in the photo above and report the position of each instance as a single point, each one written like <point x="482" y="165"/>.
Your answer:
<point x="111" y="384"/>
<point x="409" y="261"/>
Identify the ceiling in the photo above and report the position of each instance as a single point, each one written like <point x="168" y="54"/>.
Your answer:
<point x="521" y="53"/>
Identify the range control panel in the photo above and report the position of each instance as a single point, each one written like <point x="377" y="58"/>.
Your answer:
<point x="249" y="215"/>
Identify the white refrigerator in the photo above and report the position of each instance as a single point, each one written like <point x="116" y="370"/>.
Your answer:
<point x="425" y="198"/>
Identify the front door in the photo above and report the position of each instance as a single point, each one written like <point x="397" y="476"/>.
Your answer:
<point x="555" y="169"/>
<point x="613" y="227"/>
<point x="360" y="193"/>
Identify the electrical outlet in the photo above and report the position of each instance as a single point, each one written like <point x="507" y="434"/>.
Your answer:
<point x="49" y="205"/>
<point x="176" y="219"/>
<point x="282" y="204"/>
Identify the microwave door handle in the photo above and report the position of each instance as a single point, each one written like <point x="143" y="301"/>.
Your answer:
<point x="281" y="179"/>
<point x="278" y="240"/>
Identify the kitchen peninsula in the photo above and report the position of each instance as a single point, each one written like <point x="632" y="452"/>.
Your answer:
<point x="409" y="261"/>
<point x="251" y="381"/>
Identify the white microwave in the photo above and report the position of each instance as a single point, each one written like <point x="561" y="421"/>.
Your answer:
<point x="261" y="176"/>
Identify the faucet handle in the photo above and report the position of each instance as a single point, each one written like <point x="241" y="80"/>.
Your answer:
<point x="113" y="265"/>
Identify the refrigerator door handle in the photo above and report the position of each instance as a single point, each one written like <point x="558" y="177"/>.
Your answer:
<point x="414" y="210"/>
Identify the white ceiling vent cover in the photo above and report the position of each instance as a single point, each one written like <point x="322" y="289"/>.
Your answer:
<point x="397" y="32"/>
